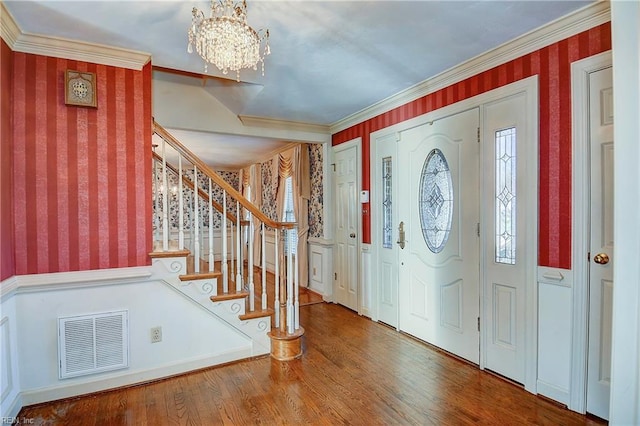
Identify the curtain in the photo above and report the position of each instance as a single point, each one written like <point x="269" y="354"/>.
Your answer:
<point x="295" y="163"/>
<point x="303" y="184"/>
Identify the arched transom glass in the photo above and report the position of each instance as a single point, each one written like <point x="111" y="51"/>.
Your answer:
<point x="436" y="201"/>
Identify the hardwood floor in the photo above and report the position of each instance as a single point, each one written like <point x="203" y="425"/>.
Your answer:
<point x="353" y="371"/>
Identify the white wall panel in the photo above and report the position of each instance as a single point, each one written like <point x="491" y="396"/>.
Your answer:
<point x="9" y="360"/>
<point x="554" y="332"/>
<point x="191" y="337"/>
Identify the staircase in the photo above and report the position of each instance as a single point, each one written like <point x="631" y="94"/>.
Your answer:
<point x="205" y="234"/>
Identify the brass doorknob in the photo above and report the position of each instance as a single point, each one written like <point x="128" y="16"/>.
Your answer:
<point x="601" y="258"/>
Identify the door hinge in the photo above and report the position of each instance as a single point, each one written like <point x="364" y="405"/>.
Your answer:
<point x="478" y="229"/>
<point x="478" y="134"/>
<point x="478" y="323"/>
<point x="335" y="276"/>
<point x="588" y="256"/>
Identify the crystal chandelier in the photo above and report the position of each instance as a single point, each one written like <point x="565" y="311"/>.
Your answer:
<point x="226" y="40"/>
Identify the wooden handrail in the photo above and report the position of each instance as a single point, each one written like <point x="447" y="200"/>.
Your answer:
<point x="191" y="186"/>
<point x="182" y="150"/>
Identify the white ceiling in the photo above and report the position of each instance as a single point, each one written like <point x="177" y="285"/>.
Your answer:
<point x="329" y="59"/>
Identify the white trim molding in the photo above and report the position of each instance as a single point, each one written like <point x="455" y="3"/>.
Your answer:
<point x="58" y="47"/>
<point x="270" y="123"/>
<point x="596" y="13"/>
<point x="79" y="279"/>
<point x="580" y="71"/>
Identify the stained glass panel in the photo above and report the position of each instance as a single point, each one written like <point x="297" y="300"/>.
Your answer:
<point x="436" y="201"/>
<point x="386" y="203"/>
<point x="506" y="196"/>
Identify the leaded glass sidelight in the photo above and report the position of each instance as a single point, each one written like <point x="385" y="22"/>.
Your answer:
<point x="505" y="213"/>
<point x="436" y="201"/>
<point x="386" y="203"/>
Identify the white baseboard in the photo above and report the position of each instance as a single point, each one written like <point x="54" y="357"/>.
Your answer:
<point x="13" y="408"/>
<point x="36" y="396"/>
<point x="553" y="392"/>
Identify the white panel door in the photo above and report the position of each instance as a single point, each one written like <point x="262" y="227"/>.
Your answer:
<point x="601" y="242"/>
<point x="439" y="264"/>
<point x="385" y="235"/>
<point x="505" y="243"/>
<point x="346" y="225"/>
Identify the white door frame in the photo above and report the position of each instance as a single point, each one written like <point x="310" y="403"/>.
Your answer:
<point x="357" y="143"/>
<point x="580" y="71"/>
<point x="529" y="85"/>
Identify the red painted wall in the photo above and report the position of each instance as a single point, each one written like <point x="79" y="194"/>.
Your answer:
<point x="7" y="260"/>
<point x="82" y="176"/>
<point x="552" y="64"/>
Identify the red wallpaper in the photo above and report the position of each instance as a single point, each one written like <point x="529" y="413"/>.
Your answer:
<point x="82" y="176"/>
<point x="7" y="260"/>
<point x="552" y="64"/>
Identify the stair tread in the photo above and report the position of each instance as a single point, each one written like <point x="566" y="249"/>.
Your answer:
<point x="257" y="314"/>
<point x="200" y="275"/>
<point x="169" y="253"/>
<point x="230" y="296"/>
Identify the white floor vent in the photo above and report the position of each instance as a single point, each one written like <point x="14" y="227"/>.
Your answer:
<point x="92" y="344"/>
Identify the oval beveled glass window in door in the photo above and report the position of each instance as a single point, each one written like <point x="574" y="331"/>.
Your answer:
<point x="435" y="200"/>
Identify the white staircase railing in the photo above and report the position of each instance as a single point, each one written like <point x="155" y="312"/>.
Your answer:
<point x="196" y="185"/>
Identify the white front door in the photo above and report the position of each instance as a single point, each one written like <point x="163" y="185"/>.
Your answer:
<point x="438" y="207"/>
<point x="506" y="243"/>
<point x="601" y="244"/>
<point x="346" y="227"/>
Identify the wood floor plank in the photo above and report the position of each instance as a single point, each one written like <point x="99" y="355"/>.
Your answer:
<point x="353" y="371"/>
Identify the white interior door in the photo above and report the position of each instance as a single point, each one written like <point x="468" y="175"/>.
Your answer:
<point x="506" y="239"/>
<point x="601" y="242"/>
<point x="346" y="227"/>
<point x="438" y="196"/>
<point x="385" y="233"/>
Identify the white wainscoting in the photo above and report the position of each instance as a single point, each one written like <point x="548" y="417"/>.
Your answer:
<point x="321" y="267"/>
<point x="192" y="337"/>
<point x="366" y="290"/>
<point x="555" y="292"/>
<point x="9" y="361"/>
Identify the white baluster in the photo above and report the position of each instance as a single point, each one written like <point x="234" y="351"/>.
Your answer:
<point x="156" y="191"/>
<point x="165" y="201"/>
<point x="276" y="302"/>
<point x="263" y="264"/>
<point x="252" y="301"/>
<point x="180" y="206"/>
<point x="225" y="267"/>
<point x="211" y="258"/>
<point x="232" y="251"/>
<point x="296" y="287"/>
<point x="196" y="222"/>
<point x="238" y="249"/>
<point x="290" y="315"/>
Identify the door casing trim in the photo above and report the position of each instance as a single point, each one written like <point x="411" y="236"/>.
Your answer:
<point x="580" y="71"/>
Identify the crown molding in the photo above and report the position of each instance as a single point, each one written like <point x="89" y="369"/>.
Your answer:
<point x="58" y="47"/>
<point x="581" y="20"/>
<point x="9" y="30"/>
<point x="270" y="123"/>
